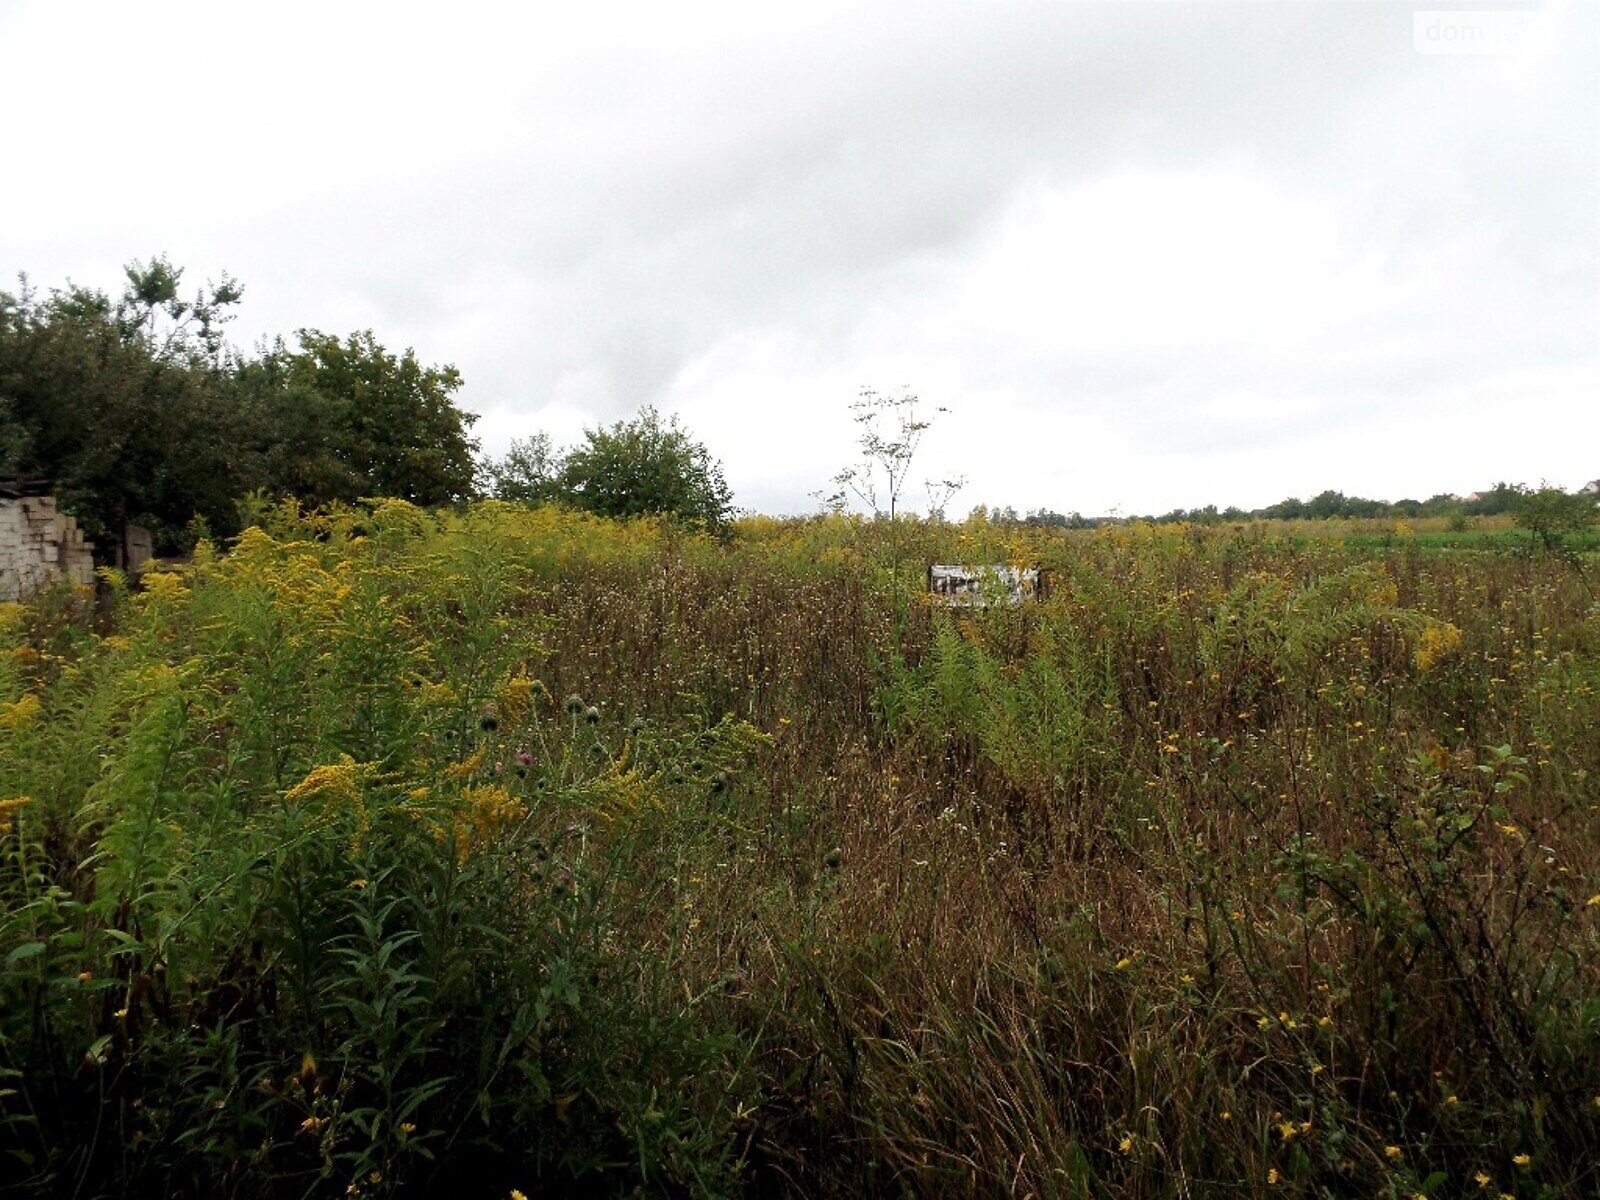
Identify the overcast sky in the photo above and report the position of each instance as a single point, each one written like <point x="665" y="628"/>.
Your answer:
<point x="1147" y="255"/>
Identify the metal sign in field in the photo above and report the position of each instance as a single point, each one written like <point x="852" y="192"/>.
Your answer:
<point x="966" y="586"/>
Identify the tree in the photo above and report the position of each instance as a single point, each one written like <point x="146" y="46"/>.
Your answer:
<point x="139" y="412"/>
<point x="1551" y="514"/>
<point x="126" y="406"/>
<point x="646" y="466"/>
<point x="528" y="474"/>
<point x="1324" y="505"/>
<point x="152" y="308"/>
<point x="345" y="418"/>
<point x="1501" y="498"/>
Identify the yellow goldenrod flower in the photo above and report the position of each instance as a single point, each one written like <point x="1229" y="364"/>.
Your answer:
<point x="21" y="713"/>
<point x="1523" y="1160"/>
<point x="337" y="785"/>
<point x="1393" y="1153"/>
<point x="468" y="766"/>
<point x="1126" y="1144"/>
<point x="9" y="807"/>
<point x="1438" y="640"/>
<point x="1482" y="1180"/>
<point x="1273" y="1176"/>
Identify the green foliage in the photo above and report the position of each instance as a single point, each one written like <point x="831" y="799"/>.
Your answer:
<point x="515" y="847"/>
<point x="339" y="903"/>
<point x="645" y="467"/>
<point x="139" y="412"/>
<point x="345" y="418"/>
<point x="1501" y="499"/>
<point x="125" y="406"/>
<point x="528" y="474"/>
<point x="1553" y="515"/>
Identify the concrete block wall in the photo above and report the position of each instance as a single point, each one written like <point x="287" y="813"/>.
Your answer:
<point x="40" y="544"/>
<point x="138" y="548"/>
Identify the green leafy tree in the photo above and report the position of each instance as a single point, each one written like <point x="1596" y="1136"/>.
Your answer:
<point x="528" y="474"/>
<point x="1552" y="515"/>
<point x="126" y="405"/>
<point x="139" y="412"/>
<point x="153" y="309"/>
<point x="1501" y="498"/>
<point x="345" y="418"/>
<point x="645" y="466"/>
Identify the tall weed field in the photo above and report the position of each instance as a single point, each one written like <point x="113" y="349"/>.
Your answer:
<point x="386" y="852"/>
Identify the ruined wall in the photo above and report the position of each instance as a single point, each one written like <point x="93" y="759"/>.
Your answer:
<point x="138" y="547"/>
<point x="39" y="544"/>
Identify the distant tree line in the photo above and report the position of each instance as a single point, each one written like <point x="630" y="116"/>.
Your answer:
<point x="1501" y="498"/>
<point x="1544" y="510"/>
<point x="1042" y="518"/>
<point x="138" y="411"/>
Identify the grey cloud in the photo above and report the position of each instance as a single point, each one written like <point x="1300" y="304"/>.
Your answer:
<point x="619" y="212"/>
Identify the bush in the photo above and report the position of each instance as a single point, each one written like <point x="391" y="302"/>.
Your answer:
<point x="644" y="467"/>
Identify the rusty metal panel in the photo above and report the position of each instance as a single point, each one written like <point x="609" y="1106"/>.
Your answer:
<point x="961" y="585"/>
